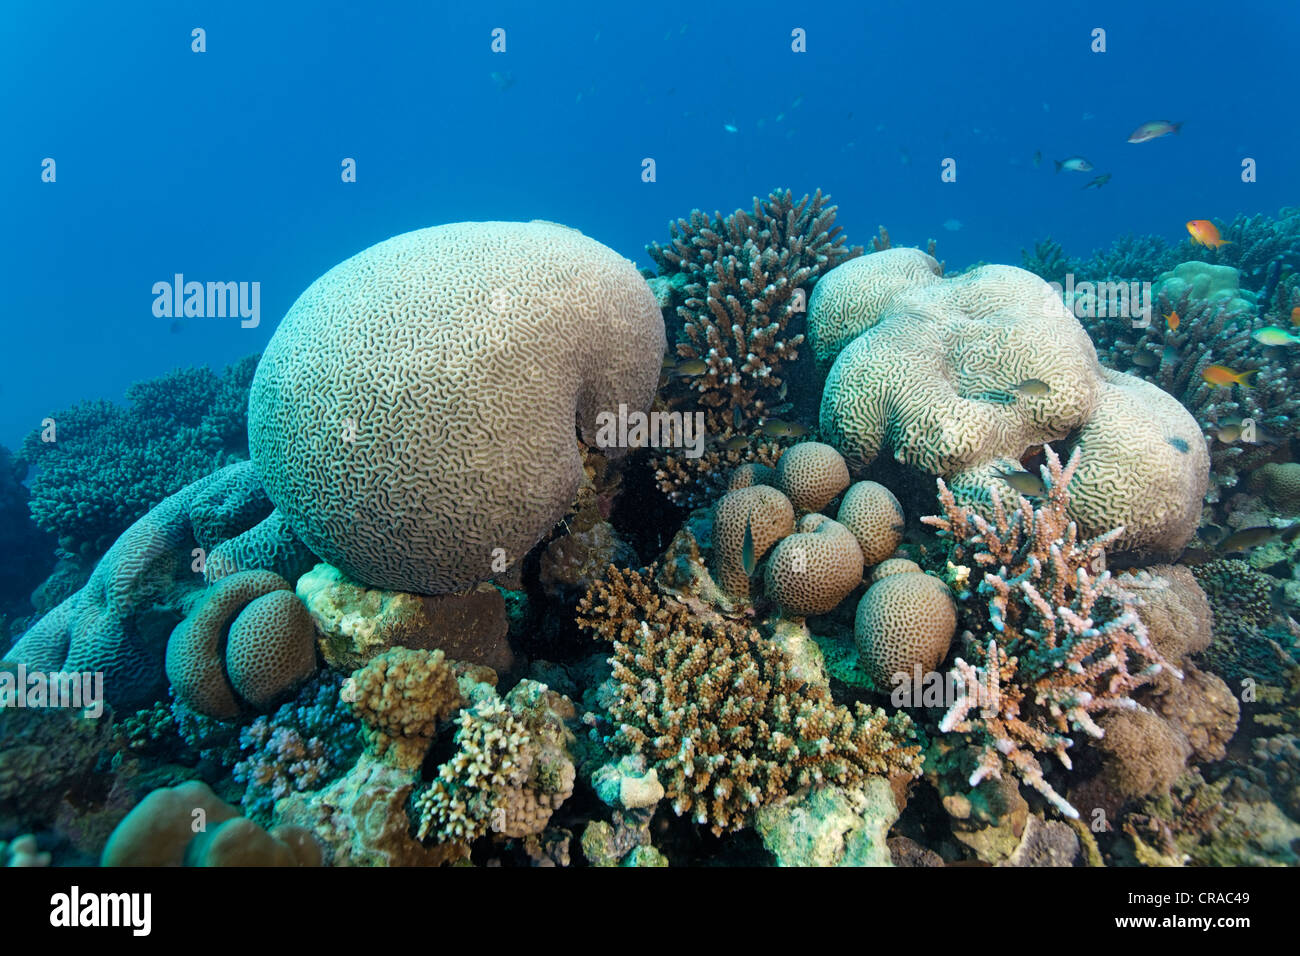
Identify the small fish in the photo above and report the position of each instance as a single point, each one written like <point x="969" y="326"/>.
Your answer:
<point x="1027" y="484"/>
<point x="1154" y="130"/>
<point x="1220" y="376"/>
<point x="780" y="392"/>
<point x="1246" y="539"/>
<point x="669" y="362"/>
<point x="1088" y="116"/>
<point x="736" y="444"/>
<point x="1076" y="164"/>
<point x="747" y="559"/>
<point x="1098" y="182"/>
<point x="737" y="418"/>
<point x="1206" y="233"/>
<point x="730" y="128"/>
<point x="1038" y="158"/>
<point x="1144" y="359"/>
<point x="775" y="428"/>
<point x="1275" y="335"/>
<point x="689" y="367"/>
<point x="1033" y="387"/>
<point x="1195" y="556"/>
<point x="1172" y="320"/>
<point x="1179" y="444"/>
<point x="1169" y="355"/>
<point x="782" y="409"/>
<point x="1228" y="433"/>
<point x="952" y="225"/>
<point x="1295" y="315"/>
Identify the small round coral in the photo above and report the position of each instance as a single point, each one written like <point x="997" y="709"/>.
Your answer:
<point x="271" y="649"/>
<point x="769" y="516"/>
<point x="904" y="621"/>
<point x="752" y="473"/>
<point x="1279" y="482"/>
<point x="894" y="566"/>
<point x="814" y="569"/>
<point x="811" y="474"/>
<point x="875" y="517"/>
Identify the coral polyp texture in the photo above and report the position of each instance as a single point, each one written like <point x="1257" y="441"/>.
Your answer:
<point x="812" y="570"/>
<point x="904" y="623"/>
<point x="716" y="711"/>
<point x="413" y="417"/>
<point x="872" y="512"/>
<point x="811" y="474"/>
<point x="759" y="515"/>
<point x="963" y="377"/>
<point x="1064" y="643"/>
<point x="401" y="696"/>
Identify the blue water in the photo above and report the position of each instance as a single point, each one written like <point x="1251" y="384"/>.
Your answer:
<point x="225" y="165"/>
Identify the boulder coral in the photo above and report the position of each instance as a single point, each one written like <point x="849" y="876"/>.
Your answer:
<point x="812" y="570"/>
<point x="811" y="474"/>
<point x="758" y="513"/>
<point x="413" y="417"/>
<point x="873" y="514"/>
<point x="905" y="621"/>
<point x="932" y="372"/>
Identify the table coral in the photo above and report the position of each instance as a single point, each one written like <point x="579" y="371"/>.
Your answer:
<point x="413" y="414"/>
<point x="1063" y="644"/>
<point x="714" y="708"/>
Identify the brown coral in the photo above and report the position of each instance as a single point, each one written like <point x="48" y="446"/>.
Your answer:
<point x="875" y="517"/>
<point x="811" y="474"/>
<point x="759" y="512"/>
<point x="814" y="569"/>
<point x="401" y="696"/>
<point x="904" y="621"/>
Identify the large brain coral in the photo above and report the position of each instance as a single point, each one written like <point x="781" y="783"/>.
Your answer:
<point x="947" y="375"/>
<point x="415" y="411"/>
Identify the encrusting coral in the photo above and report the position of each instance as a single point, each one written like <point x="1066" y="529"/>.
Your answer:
<point x="413" y="415"/>
<point x="715" y="710"/>
<point x="1064" y="642"/>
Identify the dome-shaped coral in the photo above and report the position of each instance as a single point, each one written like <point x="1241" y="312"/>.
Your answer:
<point x="271" y="649"/>
<point x="814" y="569"/>
<point x="768" y="516"/>
<point x="904" y="621"/>
<point x="811" y="474"/>
<point x="875" y="517"/>
<point x="413" y="415"/>
<point x="1279" y="482"/>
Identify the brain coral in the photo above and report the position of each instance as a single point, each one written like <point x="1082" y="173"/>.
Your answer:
<point x="811" y="474"/>
<point x="933" y="380"/>
<point x="875" y="517"/>
<point x="769" y="517"/>
<point x="814" y="569"/>
<point x="413" y="417"/>
<point x="1280" y="484"/>
<point x="904" y="621"/>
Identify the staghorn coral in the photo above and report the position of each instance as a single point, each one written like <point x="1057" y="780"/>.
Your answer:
<point x="401" y="696"/>
<point x="1048" y="261"/>
<point x="692" y="482"/>
<point x="109" y="464"/>
<point x="715" y="710"/>
<point x="1064" y="642"/>
<point x="413" y="416"/>
<point x="931" y="379"/>
<point x="511" y="771"/>
<point x="747" y="277"/>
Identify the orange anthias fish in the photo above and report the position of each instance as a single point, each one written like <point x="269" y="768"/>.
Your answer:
<point x="1173" y="320"/>
<point x="1206" y="234"/>
<point x="1220" y="376"/>
<point x="1295" y="315"/>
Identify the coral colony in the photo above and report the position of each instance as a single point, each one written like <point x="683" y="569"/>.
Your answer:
<point x="566" y="567"/>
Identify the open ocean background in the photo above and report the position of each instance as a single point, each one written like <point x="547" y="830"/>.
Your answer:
<point x="225" y="165"/>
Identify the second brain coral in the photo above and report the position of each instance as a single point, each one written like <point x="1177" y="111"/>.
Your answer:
<point x="413" y="415"/>
<point x="935" y="376"/>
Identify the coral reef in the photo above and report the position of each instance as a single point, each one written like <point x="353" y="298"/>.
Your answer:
<point x="511" y="771"/>
<point x="758" y="515"/>
<point x="873" y="514"/>
<point x="102" y="466"/>
<point x="931" y="371"/>
<point x="401" y="462"/>
<point x="354" y="622"/>
<point x="26" y="552"/>
<point x="716" y="711"/>
<point x="1253" y="244"/>
<point x="746" y="277"/>
<point x="1064" y="643"/>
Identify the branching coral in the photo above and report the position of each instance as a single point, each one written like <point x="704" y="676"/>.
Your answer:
<point x="101" y="466"/>
<point x="748" y="275"/>
<point x="716" y="711"/>
<point x="401" y="695"/>
<point x="1066" y="642"/>
<point x="511" y="772"/>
